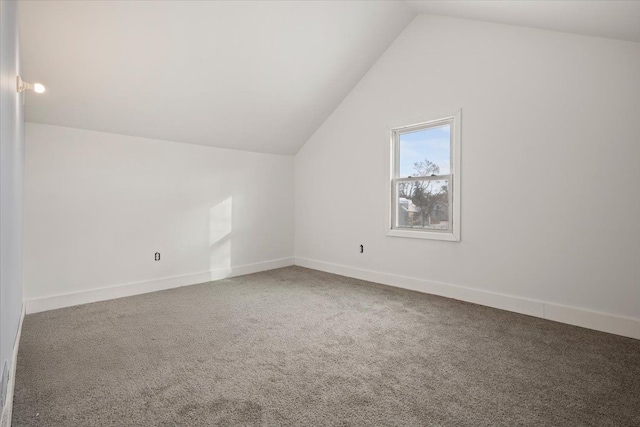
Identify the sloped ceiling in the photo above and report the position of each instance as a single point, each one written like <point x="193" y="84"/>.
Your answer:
<point x="256" y="76"/>
<point x="603" y="18"/>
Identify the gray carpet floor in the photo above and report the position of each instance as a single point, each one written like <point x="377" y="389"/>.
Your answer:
<point x="298" y="347"/>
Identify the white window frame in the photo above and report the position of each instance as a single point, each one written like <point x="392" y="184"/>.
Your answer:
<point x="393" y="170"/>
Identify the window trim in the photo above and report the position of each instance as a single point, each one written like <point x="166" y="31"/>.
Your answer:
<point x="393" y="159"/>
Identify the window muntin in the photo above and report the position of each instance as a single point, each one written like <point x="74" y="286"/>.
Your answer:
<point x="422" y="180"/>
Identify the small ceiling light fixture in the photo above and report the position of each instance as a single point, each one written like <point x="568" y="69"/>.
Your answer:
<point x="22" y="86"/>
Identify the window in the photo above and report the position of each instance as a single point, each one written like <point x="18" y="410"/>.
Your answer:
<point x="425" y="180"/>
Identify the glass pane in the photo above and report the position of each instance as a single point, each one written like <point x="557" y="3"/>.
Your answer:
<point x="426" y="152"/>
<point x="423" y="204"/>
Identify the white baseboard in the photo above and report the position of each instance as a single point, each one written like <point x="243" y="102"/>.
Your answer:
<point x="619" y="325"/>
<point x="7" y="407"/>
<point x="35" y="305"/>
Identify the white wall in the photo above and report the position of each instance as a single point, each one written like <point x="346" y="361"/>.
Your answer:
<point x="11" y="174"/>
<point x="98" y="206"/>
<point x="550" y="176"/>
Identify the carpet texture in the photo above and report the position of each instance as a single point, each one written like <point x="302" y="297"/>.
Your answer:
<point x="298" y="347"/>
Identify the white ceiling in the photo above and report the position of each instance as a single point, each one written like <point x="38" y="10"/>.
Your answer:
<point x="608" y="18"/>
<point x="256" y="76"/>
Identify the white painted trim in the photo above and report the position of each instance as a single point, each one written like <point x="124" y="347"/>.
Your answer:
<point x="421" y="234"/>
<point x="506" y="302"/>
<point x="35" y="305"/>
<point x="392" y="156"/>
<point x="619" y="325"/>
<point x="7" y="408"/>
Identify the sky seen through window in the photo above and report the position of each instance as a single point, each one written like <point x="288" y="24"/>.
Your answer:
<point x="433" y="144"/>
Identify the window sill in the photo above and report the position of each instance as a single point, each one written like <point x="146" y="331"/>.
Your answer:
<point x="429" y="235"/>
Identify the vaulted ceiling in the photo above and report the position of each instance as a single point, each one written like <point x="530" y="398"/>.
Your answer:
<point x="605" y="18"/>
<point x="257" y="76"/>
